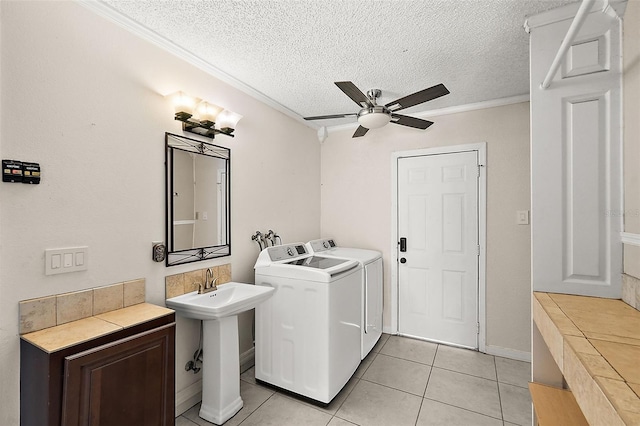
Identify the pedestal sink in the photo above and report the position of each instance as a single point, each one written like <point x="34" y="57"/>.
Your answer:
<point x="219" y="311"/>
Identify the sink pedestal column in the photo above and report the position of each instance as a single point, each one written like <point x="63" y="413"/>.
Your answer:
<point x="220" y="370"/>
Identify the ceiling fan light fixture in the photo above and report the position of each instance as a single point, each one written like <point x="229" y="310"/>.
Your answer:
<point x="374" y="117"/>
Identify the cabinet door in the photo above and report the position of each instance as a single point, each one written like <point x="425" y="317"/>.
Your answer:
<point x="576" y="159"/>
<point x="127" y="382"/>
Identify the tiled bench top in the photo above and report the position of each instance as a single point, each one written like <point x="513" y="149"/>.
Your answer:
<point x="596" y="344"/>
<point x="61" y="336"/>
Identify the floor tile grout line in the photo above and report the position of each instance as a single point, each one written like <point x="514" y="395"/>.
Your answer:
<point x="465" y="409"/>
<point x="392" y="388"/>
<point x="405" y="359"/>
<point x="426" y="385"/>
<point x="466" y="374"/>
<point x="256" y="409"/>
<point x="495" y="366"/>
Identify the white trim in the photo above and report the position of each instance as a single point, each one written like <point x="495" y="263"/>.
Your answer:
<point x="188" y="397"/>
<point x="508" y="353"/>
<point x="145" y="33"/>
<point x="630" y="238"/>
<point x="481" y="148"/>
<point x="563" y="13"/>
<point x="247" y="359"/>
<point x="493" y="103"/>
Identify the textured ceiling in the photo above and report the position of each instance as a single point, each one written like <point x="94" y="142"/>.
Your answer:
<point x="293" y="51"/>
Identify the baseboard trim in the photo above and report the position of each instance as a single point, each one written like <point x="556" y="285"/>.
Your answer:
<point x="188" y="397"/>
<point x="247" y="359"/>
<point x="508" y="353"/>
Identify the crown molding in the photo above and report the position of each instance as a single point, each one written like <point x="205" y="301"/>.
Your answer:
<point x="145" y="33"/>
<point x="492" y="103"/>
<point x="613" y="8"/>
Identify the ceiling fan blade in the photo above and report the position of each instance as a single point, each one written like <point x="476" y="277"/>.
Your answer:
<point x="418" y="97"/>
<point x="353" y="92"/>
<point x="405" y="120"/>
<point x="327" y="117"/>
<point x="360" y="131"/>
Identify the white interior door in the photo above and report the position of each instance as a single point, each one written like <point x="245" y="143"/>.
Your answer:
<point x="438" y="269"/>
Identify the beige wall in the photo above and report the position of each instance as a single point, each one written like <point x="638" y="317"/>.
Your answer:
<point x="631" y="95"/>
<point x="356" y="197"/>
<point x="84" y="98"/>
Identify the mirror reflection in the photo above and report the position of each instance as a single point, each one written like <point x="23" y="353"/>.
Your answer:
<point x="197" y="200"/>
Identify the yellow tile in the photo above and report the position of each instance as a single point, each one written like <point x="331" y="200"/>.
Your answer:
<point x="620" y="394"/>
<point x="134" y="292"/>
<point x="571" y="303"/>
<point x="543" y="298"/>
<point x="193" y="278"/>
<point x="624" y="358"/>
<point x="135" y="314"/>
<point x="549" y="332"/>
<point x="108" y="298"/>
<point x="635" y="387"/>
<point x="174" y="285"/>
<point x="630" y="418"/>
<point x="37" y="314"/>
<point x="611" y="324"/>
<point x="564" y="324"/>
<point x="71" y="333"/>
<point x="224" y="272"/>
<point x="581" y="344"/>
<point x="596" y="365"/>
<point x="74" y="306"/>
<point x="612" y="338"/>
<point x="597" y="409"/>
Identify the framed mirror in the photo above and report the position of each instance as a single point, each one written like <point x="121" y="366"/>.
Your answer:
<point x="197" y="200"/>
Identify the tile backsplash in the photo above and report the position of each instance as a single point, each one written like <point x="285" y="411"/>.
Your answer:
<point x="49" y="311"/>
<point x="176" y="285"/>
<point x="631" y="291"/>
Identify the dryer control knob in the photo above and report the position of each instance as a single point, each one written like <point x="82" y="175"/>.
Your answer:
<point x="289" y="251"/>
<point x="325" y="244"/>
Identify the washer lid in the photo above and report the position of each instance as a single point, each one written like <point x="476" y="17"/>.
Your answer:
<point x="317" y="262"/>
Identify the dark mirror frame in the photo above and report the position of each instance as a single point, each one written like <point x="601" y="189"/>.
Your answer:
<point x="179" y="257"/>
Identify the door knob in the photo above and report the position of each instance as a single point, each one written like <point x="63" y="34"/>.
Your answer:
<point x="403" y="260"/>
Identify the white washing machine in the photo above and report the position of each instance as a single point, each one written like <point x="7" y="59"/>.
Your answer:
<point x="372" y="286"/>
<point x="308" y="332"/>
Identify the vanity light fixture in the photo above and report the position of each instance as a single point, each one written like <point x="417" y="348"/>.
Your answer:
<point x="203" y="118"/>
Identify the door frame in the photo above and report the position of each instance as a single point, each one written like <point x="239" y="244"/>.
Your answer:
<point x="481" y="149"/>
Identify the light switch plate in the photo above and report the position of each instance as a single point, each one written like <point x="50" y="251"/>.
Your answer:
<point x="61" y="261"/>
<point x="522" y="217"/>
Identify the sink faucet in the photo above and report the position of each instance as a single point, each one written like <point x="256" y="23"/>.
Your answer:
<point x="209" y="283"/>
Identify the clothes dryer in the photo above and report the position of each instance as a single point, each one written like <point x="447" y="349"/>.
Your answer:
<point x="371" y="286"/>
<point x="308" y="332"/>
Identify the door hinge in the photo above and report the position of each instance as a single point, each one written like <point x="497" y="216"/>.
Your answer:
<point x="478" y="250"/>
<point x="477" y="328"/>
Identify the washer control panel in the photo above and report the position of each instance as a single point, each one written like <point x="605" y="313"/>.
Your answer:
<point x="286" y="252"/>
<point x="322" y="245"/>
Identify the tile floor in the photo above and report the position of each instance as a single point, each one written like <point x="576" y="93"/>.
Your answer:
<point x="402" y="382"/>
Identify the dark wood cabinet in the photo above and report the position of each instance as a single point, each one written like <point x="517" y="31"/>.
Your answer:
<point x="124" y="378"/>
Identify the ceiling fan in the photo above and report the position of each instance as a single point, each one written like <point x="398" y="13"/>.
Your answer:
<point x="373" y="116"/>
